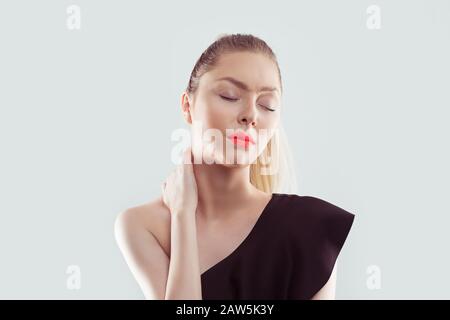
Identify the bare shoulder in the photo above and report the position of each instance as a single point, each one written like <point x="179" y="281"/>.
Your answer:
<point x="142" y="234"/>
<point x="152" y="216"/>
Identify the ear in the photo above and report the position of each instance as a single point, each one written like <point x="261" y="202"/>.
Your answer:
<point x="186" y="107"/>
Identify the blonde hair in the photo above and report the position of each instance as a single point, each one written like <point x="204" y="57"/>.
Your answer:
<point x="273" y="171"/>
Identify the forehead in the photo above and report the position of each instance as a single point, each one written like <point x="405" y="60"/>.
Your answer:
<point x="255" y="70"/>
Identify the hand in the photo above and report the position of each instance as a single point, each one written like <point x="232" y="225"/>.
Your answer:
<point x="179" y="191"/>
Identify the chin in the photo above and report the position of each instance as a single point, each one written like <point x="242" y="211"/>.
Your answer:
<point x="241" y="161"/>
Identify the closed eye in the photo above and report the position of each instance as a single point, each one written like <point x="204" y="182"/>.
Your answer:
<point x="270" y="109"/>
<point x="236" y="99"/>
<point x="228" y="98"/>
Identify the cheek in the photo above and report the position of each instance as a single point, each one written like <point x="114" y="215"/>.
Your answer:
<point x="215" y="113"/>
<point x="272" y="121"/>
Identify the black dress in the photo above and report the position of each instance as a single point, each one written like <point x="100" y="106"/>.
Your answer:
<point x="289" y="253"/>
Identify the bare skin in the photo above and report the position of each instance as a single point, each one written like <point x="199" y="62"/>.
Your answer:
<point x="205" y="210"/>
<point x="147" y="241"/>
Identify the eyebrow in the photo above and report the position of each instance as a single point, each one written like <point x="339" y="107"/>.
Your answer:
<point x="243" y="86"/>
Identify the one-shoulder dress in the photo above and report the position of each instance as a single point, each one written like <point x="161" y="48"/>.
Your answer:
<point x="289" y="253"/>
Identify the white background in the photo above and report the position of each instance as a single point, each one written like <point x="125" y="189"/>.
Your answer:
<point x="86" y="117"/>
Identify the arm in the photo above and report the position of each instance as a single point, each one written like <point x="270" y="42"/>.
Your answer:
<point x="328" y="291"/>
<point x="184" y="279"/>
<point x="144" y="256"/>
<point x="159" y="277"/>
<point x="180" y="196"/>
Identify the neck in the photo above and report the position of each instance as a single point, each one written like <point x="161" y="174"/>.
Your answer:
<point x="222" y="189"/>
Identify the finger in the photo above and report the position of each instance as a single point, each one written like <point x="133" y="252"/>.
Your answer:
<point x="187" y="156"/>
<point x="188" y="161"/>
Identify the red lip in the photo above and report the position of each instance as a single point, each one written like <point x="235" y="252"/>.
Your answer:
<point x="240" y="135"/>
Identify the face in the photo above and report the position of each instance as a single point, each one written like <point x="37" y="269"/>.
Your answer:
<point x="241" y="93"/>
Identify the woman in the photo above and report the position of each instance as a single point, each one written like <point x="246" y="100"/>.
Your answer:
<point x="224" y="229"/>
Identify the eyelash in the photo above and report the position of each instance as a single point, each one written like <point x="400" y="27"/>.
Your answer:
<point x="233" y="100"/>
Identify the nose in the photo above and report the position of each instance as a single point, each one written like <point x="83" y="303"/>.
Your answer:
<point x="248" y="116"/>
